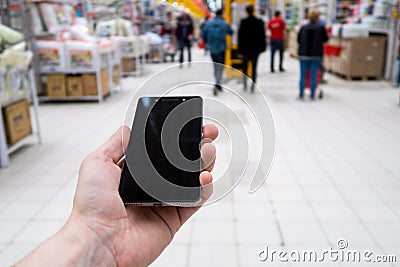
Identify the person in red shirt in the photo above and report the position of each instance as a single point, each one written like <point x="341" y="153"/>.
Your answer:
<point x="277" y="27"/>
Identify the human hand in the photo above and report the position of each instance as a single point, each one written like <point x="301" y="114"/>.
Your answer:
<point x="128" y="236"/>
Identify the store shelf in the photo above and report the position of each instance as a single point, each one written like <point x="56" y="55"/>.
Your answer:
<point x="139" y="66"/>
<point x="66" y="2"/>
<point x="320" y="3"/>
<point x="380" y="31"/>
<point x="45" y="35"/>
<point x="71" y="98"/>
<point x="71" y="71"/>
<point x="130" y="73"/>
<point x="13" y="100"/>
<point x="5" y="149"/>
<point x="130" y="55"/>
<point x="23" y="142"/>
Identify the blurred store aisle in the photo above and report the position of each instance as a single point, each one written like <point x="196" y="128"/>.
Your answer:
<point x="336" y="176"/>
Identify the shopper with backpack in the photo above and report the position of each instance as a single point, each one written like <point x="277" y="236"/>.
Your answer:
<point x="252" y="42"/>
<point x="214" y="33"/>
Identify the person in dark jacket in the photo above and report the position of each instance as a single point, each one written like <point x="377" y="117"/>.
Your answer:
<point x="311" y="39"/>
<point x="184" y="35"/>
<point x="252" y="42"/>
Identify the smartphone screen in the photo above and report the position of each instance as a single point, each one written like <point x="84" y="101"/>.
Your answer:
<point x="162" y="125"/>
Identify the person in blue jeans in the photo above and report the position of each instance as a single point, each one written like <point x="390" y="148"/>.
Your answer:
<point x="184" y="35"/>
<point x="277" y="27"/>
<point x="313" y="65"/>
<point x="311" y="39"/>
<point x="214" y="34"/>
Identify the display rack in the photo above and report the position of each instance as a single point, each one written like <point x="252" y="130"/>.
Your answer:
<point x="156" y="53"/>
<point x="345" y="11"/>
<point x="138" y="63"/>
<point x="109" y="59"/>
<point x="5" y="149"/>
<point x="16" y="14"/>
<point x="100" y="95"/>
<point x="134" y="53"/>
<point x="326" y="7"/>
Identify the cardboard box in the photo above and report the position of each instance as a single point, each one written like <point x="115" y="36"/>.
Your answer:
<point x="74" y="86"/>
<point x="328" y="63"/>
<point x="361" y="57"/>
<point x="286" y="40"/>
<point x="292" y="43"/>
<point x="337" y="65"/>
<point x="128" y="65"/>
<point x="56" y="86"/>
<point x="116" y="75"/>
<point x="105" y="81"/>
<point x="89" y="82"/>
<point x="336" y="41"/>
<point x="17" y="121"/>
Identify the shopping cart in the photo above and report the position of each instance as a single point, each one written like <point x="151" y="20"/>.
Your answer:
<point x="318" y="90"/>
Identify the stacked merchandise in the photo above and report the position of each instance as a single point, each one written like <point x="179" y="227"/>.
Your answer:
<point x="14" y="62"/>
<point x="51" y="18"/>
<point x="16" y="87"/>
<point x="358" y="20"/>
<point x="293" y="46"/>
<point x="74" y="64"/>
<point x="292" y="20"/>
<point x="292" y="15"/>
<point x="323" y="6"/>
<point x="380" y="17"/>
<point x="350" y="30"/>
<point x="345" y="10"/>
<point x="131" y="48"/>
<point x="362" y="58"/>
<point x="361" y="55"/>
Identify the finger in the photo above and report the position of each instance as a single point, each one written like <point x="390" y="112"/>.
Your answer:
<point x="121" y="162"/>
<point x="207" y="189"/>
<point x="207" y="186"/>
<point x="114" y="148"/>
<point x="208" y="155"/>
<point x="210" y="131"/>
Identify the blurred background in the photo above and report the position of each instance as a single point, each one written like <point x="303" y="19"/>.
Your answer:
<point x="69" y="69"/>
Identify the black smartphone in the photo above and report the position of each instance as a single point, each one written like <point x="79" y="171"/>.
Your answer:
<point x="162" y="160"/>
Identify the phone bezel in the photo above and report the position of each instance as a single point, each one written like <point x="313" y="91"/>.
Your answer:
<point x="172" y="203"/>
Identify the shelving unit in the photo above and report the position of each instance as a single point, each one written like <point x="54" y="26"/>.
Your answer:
<point x="16" y="14"/>
<point x="345" y="11"/>
<point x="138" y="63"/>
<point x="107" y="59"/>
<point x="100" y="96"/>
<point x="5" y="149"/>
<point x="327" y="8"/>
<point x="134" y="53"/>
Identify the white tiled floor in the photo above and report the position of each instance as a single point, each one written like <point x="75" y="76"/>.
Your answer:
<point x="336" y="176"/>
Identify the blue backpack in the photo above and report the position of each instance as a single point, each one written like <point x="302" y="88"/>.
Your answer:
<point x="216" y="37"/>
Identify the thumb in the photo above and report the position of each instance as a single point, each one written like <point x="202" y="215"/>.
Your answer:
<point x="115" y="147"/>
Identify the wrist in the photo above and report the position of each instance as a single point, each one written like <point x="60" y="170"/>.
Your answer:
<point x="73" y="245"/>
<point x="92" y="250"/>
